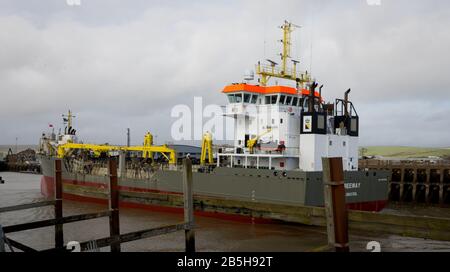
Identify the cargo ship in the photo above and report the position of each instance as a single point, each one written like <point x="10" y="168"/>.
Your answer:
<point x="281" y="134"/>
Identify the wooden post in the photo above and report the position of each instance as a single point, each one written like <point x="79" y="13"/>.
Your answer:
<point x="188" y="206"/>
<point x="335" y="208"/>
<point x="414" y="185"/>
<point x="402" y="185"/>
<point x="114" y="223"/>
<point x="427" y="186"/>
<point x="441" y="186"/>
<point x="59" y="232"/>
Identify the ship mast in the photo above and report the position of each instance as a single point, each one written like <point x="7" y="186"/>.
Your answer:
<point x="68" y="119"/>
<point x="287" y="30"/>
<point x="266" y="72"/>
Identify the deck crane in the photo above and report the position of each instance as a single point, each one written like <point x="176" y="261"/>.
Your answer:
<point x="148" y="142"/>
<point x="252" y="142"/>
<point x="207" y="148"/>
<point x="147" y="149"/>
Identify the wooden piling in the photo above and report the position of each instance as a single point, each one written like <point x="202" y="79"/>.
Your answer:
<point x="428" y="185"/>
<point x="414" y="192"/>
<point x="59" y="233"/>
<point x="188" y="206"/>
<point x="114" y="223"/>
<point x="335" y="209"/>
<point x="402" y="184"/>
<point x="441" y="186"/>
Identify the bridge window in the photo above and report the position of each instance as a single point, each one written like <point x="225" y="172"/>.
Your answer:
<point x="288" y="100"/>
<point x="254" y="98"/>
<point x="267" y="100"/>
<point x="247" y="98"/>
<point x="282" y="99"/>
<point x="274" y="99"/>
<point x="295" y="101"/>
<point x="235" y="98"/>
<point x="238" y="98"/>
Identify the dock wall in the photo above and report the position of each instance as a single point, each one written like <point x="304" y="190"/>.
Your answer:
<point x="415" y="182"/>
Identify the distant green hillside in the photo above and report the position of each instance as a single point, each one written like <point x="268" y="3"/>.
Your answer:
<point x="405" y="152"/>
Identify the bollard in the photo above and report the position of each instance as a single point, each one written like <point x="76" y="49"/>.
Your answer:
<point x="335" y="209"/>
<point x="188" y="206"/>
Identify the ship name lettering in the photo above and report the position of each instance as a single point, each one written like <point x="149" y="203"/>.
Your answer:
<point x="352" y="185"/>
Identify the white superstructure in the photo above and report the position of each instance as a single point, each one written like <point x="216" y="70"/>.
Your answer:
<point x="287" y="135"/>
<point x="288" y="128"/>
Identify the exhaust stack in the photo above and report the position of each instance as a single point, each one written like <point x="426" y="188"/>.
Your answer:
<point x="346" y="101"/>
<point x="312" y="97"/>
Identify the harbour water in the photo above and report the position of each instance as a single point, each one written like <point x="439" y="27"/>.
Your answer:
<point x="211" y="234"/>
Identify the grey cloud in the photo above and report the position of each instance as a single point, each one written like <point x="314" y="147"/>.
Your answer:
<point x="126" y="63"/>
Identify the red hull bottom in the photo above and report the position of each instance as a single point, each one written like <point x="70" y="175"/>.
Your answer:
<point x="48" y="190"/>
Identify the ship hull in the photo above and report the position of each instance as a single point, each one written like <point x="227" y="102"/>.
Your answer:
<point x="162" y="190"/>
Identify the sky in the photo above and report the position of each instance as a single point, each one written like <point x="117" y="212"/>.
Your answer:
<point x="126" y="64"/>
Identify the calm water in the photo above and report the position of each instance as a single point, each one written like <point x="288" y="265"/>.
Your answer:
<point x="211" y="234"/>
